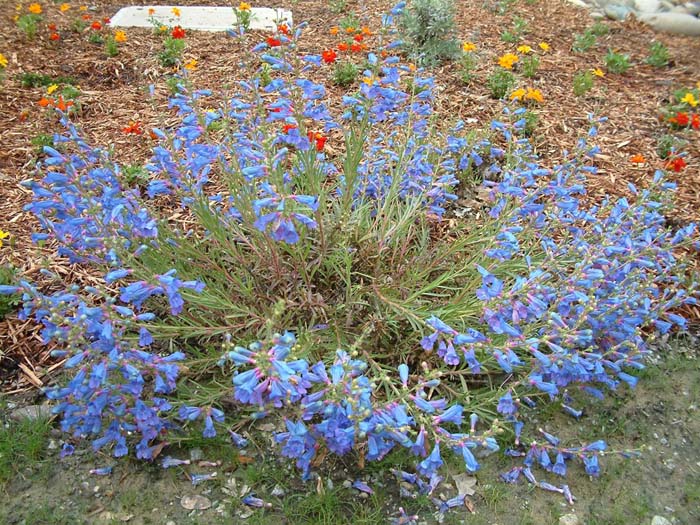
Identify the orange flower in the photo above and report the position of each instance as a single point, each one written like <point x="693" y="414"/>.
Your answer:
<point x="54" y="36"/>
<point x="343" y="46"/>
<point x="151" y="11"/>
<point x="355" y="47"/>
<point x="96" y="25"/>
<point x="86" y="17"/>
<point x="282" y="28"/>
<point x="350" y="30"/>
<point x="63" y="105"/>
<point x="366" y="31"/>
<point x="44" y="102"/>
<point x="35" y="9"/>
<point x="637" y="159"/>
<point x="178" y="32"/>
<point x="319" y="139"/>
<point x="333" y="30"/>
<point x="51" y="26"/>
<point x="134" y="127"/>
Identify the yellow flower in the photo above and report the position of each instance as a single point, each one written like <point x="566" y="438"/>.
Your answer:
<point x="544" y="46"/>
<point x="175" y="11"/>
<point x="35" y="9"/>
<point x="83" y="8"/>
<point x="3" y="61"/>
<point x="468" y="47"/>
<point x="3" y="235"/>
<point x="163" y="29"/>
<point x="368" y="80"/>
<point x="120" y="36"/>
<point x="244" y="6"/>
<point x="64" y="7"/>
<point x="598" y="72"/>
<point x="412" y="67"/>
<point x="524" y="49"/>
<point x="51" y="89"/>
<point x="518" y="94"/>
<point x="191" y="65"/>
<point x="690" y="99"/>
<point x="508" y="60"/>
<point x="534" y="94"/>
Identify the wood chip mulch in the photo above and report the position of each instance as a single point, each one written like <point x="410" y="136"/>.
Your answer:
<point x="114" y="92"/>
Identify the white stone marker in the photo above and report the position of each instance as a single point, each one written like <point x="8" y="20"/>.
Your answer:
<point x="200" y="18"/>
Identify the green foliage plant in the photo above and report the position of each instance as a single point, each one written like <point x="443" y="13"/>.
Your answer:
<point x="429" y="32"/>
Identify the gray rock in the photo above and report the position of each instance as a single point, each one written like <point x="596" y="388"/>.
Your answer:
<point x="569" y="519"/>
<point x="693" y="8"/>
<point x="31" y="412"/>
<point x="676" y="23"/>
<point x="617" y="11"/>
<point x="578" y="3"/>
<point x="647" y="6"/>
<point x="196" y="454"/>
<point x="660" y="520"/>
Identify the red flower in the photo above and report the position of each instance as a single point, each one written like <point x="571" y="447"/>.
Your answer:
<point x="96" y="25"/>
<point x="52" y="27"/>
<point x="695" y="122"/>
<point x="319" y="139"/>
<point x="283" y="29"/>
<point x="329" y="56"/>
<point x="343" y="46"/>
<point x="358" y="38"/>
<point x="178" y="32"/>
<point x="287" y="127"/>
<point x="273" y="42"/>
<point x="676" y="164"/>
<point x="355" y="47"/>
<point x="682" y="119"/>
<point x="106" y="20"/>
<point x="55" y="36"/>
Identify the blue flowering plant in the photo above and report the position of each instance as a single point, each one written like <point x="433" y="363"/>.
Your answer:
<point x="322" y="274"/>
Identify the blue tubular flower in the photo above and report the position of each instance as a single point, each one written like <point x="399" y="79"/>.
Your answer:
<point x="451" y="415"/>
<point x="506" y="406"/>
<point x="298" y="444"/>
<point x="491" y="287"/>
<point x="591" y="464"/>
<point x="559" y="466"/>
<point x="470" y="462"/>
<point x="430" y="464"/>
